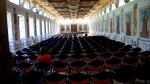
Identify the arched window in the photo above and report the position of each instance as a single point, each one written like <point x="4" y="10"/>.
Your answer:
<point x="15" y="1"/>
<point x="107" y="9"/>
<point x="38" y="26"/>
<point x="34" y="7"/>
<point x="31" y="26"/>
<point x="9" y="24"/>
<point x="113" y="6"/>
<point x="121" y="2"/>
<point x="41" y="12"/>
<point x="44" y="14"/>
<point x="21" y="26"/>
<point x="34" y="10"/>
<point x="26" y="5"/>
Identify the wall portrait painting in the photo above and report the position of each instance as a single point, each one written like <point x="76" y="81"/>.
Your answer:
<point x="135" y="20"/>
<point x="144" y="22"/>
<point x="102" y="26"/>
<point x="113" y="23"/>
<point x="122" y="20"/>
<point x="27" y="22"/>
<point x="128" y="20"/>
<point x="35" y="29"/>
<point x="118" y="24"/>
<point x="62" y="28"/>
<point x="80" y="27"/>
<point x="67" y="28"/>
<point x="110" y="25"/>
<point x="16" y="24"/>
<point x="85" y="27"/>
<point x="106" y="25"/>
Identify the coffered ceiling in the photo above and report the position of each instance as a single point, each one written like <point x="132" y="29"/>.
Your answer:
<point x="72" y="9"/>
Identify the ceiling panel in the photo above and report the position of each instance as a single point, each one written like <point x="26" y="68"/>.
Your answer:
<point x="73" y="9"/>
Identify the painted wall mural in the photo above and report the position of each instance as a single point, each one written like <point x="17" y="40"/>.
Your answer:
<point x="35" y="29"/>
<point x="135" y="20"/>
<point x="118" y="24"/>
<point x="102" y="27"/>
<point x="62" y="28"/>
<point x="110" y="25"/>
<point x="122" y="20"/>
<point x="99" y="25"/>
<point x="144" y="22"/>
<point x="40" y="26"/>
<point x="106" y="25"/>
<point x="17" y="35"/>
<point x="45" y="24"/>
<point x="67" y="28"/>
<point x="80" y="27"/>
<point x="130" y="23"/>
<point x="128" y="20"/>
<point x="113" y="23"/>
<point x="27" y="23"/>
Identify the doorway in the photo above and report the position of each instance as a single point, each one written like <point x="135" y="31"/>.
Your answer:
<point x="73" y="27"/>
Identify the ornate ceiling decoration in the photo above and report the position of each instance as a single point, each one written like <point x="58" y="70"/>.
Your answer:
<point x="72" y="9"/>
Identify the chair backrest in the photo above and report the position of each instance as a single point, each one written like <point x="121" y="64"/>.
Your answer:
<point x="55" y="78"/>
<point x="78" y="78"/>
<point x="102" y="78"/>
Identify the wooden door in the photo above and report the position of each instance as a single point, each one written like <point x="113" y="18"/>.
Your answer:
<point x="73" y="27"/>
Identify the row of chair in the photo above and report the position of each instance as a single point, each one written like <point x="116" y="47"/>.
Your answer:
<point x="92" y="57"/>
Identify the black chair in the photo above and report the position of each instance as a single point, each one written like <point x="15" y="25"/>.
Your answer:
<point x="96" y="65"/>
<point x="137" y="49"/>
<point x="60" y="66"/>
<point x="102" y="78"/>
<point x="130" y="61"/>
<point x="124" y="74"/>
<point x="40" y="66"/>
<point x="132" y="54"/>
<point x="24" y="66"/>
<point x="91" y="57"/>
<point x="77" y="66"/>
<point x="78" y="78"/>
<point x="126" y="48"/>
<point x="55" y="78"/>
<point x="76" y="57"/>
<point x="105" y="56"/>
<point x="119" y="55"/>
<point x="113" y="63"/>
<point x="63" y="58"/>
<point x="143" y="72"/>
<point x="145" y="60"/>
<point x="16" y="77"/>
<point x="144" y="54"/>
<point x="32" y="77"/>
